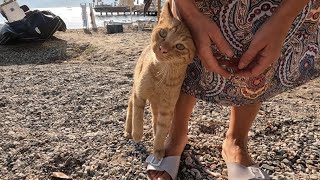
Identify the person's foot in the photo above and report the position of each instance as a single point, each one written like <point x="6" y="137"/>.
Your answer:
<point x="239" y="163"/>
<point x="174" y="147"/>
<point x="236" y="152"/>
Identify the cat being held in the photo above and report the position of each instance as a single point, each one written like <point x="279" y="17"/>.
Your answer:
<point x="158" y="76"/>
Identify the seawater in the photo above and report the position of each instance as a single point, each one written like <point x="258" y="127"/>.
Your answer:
<point x="72" y="16"/>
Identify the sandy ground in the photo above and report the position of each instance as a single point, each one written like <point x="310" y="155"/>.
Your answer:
<point x="63" y="105"/>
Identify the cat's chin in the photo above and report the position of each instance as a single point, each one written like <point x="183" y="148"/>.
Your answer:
<point x="161" y="58"/>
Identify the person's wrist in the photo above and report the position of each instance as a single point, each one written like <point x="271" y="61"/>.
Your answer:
<point x="289" y="10"/>
<point x="187" y="9"/>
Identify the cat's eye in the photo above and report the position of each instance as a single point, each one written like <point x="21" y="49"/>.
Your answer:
<point x="163" y="33"/>
<point x="180" y="46"/>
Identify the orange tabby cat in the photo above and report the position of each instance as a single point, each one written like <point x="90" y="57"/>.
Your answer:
<point x="158" y="77"/>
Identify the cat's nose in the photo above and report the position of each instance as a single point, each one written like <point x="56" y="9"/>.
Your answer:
<point x="163" y="50"/>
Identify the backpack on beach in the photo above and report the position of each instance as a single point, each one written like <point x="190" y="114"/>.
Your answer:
<point x="35" y="26"/>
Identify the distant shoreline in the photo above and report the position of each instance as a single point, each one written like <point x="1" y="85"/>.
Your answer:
<point x="72" y="16"/>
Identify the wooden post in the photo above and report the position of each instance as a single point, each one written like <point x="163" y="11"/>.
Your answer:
<point x="131" y="13"/>
<point x="93" y="19"/>
<point x="84" y="15"/>
<point x="159" y="9"/>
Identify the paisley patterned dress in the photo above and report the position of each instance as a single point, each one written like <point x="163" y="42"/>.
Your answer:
<point x="238" y="21"/>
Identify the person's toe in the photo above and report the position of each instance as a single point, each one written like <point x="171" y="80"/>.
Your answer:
<point x="164" y="176"/>
<point x="158" y="174"/>
<point x="152" y="174"/>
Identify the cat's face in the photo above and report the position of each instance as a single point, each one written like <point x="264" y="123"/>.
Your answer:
<point x="171" y="39"/>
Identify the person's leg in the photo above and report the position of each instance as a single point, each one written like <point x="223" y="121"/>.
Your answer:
<point x="177" y="138"/>
<point x="234" y="148"/>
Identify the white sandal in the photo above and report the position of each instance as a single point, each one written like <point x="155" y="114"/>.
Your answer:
<point x="168" y="164"/>
<point x="237" y="171"/>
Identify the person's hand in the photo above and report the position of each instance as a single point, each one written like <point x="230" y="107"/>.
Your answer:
<point x="264" y="50"/>
<point x="205" y="32"/>
<point x="266" y="45"/>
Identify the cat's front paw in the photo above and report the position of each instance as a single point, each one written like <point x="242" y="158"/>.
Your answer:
<point x="127" y="135"/>
<point x="159" y="154"/>
<point x="137" y="136"/>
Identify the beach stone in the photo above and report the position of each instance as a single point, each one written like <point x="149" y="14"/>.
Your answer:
<point x="307" y="170"/>
<point x="309" y="162"/>
<point x="314" y="171"/>
<point x="189" y="161"/>
<point x="191" y="172"/>
<point x="201" y="158"/>
<point x="60" y="175"/>
<point x="315" y="177"/>
<point x="279" y="177"/>
<point x="21" y="175"/>
<point x="289" y="175"/>
<point x="215" y="174"/>
<point x="225" y="172"/>
<point x="316" y="144"/>
<point x="196" y="173"/>
<point x="142" y="175"/>
<point x="301" y="168"/>
<point x="268" y="167"/>
<point x="213" y="166"/>
<point x="286" y="161"/>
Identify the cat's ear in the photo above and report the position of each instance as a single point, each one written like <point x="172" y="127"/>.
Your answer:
<point x="166" y="13"/>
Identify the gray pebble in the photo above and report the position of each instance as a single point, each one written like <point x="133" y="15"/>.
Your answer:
<point x="196" y="173"/>
<point x="314" y="177"/>
<point x="268" y="167"/>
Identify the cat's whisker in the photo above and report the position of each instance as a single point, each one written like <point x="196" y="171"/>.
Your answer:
<point x="161" y="80"/>
<point x="164" y="75"/>
<point x="159" y="73"/>
<point x="162" y="72"/>
<point x="167" y="71"/>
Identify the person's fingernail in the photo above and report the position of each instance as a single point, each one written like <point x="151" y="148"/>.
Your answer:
<point x="241" y="65"/>
<point x="229" y="53"/>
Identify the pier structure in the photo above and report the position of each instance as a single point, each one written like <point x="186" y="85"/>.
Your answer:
<point x="136" y="10"/>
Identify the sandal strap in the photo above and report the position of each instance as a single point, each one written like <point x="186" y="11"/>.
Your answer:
<point x="241" y="172"/>
<point x="168" y="164"/>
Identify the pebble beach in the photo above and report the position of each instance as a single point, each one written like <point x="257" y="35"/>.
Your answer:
<point x="63" y="106"/>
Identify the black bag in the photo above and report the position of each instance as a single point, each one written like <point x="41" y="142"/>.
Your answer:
<point x="36" y="26"/>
